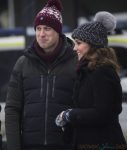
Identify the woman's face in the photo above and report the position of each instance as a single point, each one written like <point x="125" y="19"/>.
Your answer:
<point x="81" y="48"/>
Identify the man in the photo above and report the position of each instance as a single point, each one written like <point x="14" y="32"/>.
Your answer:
<point x="41" y="86"/>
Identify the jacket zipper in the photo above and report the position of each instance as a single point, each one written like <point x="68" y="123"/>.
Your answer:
<point x="53" y="88"/>
<point x="41" y="92"/>
<point x="46" y="108"/>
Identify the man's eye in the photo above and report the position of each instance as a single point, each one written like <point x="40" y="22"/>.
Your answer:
<point x="47" y="28"/>
<point x="38" y="28"/>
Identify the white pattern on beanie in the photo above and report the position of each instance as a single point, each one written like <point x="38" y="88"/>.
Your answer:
<point x="52" y="11"/>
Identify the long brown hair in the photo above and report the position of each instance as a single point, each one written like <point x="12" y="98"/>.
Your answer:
<point x="102" y="56"/>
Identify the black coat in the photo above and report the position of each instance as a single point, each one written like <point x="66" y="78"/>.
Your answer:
<point x="36" y="95"/>
<point x="98" y="103"/>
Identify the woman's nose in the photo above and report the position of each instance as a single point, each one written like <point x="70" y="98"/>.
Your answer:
<point x="75" y="48"/>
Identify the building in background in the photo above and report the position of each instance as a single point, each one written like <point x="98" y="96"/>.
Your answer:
<point x="22" y="13"/>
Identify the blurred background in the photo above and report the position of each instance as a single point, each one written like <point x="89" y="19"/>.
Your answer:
<point x="15" y="13"/>
<point x="16" y="33"/>
<point x="18" y="16"/>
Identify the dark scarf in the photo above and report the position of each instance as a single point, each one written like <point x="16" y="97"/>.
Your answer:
<point x="82" y="64"/>
<point x="47" y="57"/>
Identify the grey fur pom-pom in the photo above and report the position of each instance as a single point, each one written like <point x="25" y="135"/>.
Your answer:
<point x="107" y="19"/>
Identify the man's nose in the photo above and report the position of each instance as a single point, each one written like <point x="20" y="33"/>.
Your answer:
<point x="42" y="32"/>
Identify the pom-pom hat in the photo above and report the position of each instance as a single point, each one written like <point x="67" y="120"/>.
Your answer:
<point x="50" y="15"/>
<point x="96" y="32"/>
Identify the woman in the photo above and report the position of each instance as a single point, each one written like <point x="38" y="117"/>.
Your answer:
<point x="97" y="92"/>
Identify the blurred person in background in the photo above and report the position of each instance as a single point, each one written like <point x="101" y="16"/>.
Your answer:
<point x="97" y="93"/>
<point x="41" y="86"/>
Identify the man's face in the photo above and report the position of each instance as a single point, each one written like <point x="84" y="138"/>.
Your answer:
<point x="47" y="37"/>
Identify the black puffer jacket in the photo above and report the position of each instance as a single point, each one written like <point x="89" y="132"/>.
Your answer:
<point x="36" y="95"/>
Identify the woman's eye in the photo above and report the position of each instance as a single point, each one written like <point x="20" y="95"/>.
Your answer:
<point x="78" y="42"/>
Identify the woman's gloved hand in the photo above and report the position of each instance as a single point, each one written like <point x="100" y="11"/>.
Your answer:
<point x="63" y="118"/>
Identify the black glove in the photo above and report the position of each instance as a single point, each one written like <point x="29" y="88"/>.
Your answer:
<point x="63" y="118"/>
